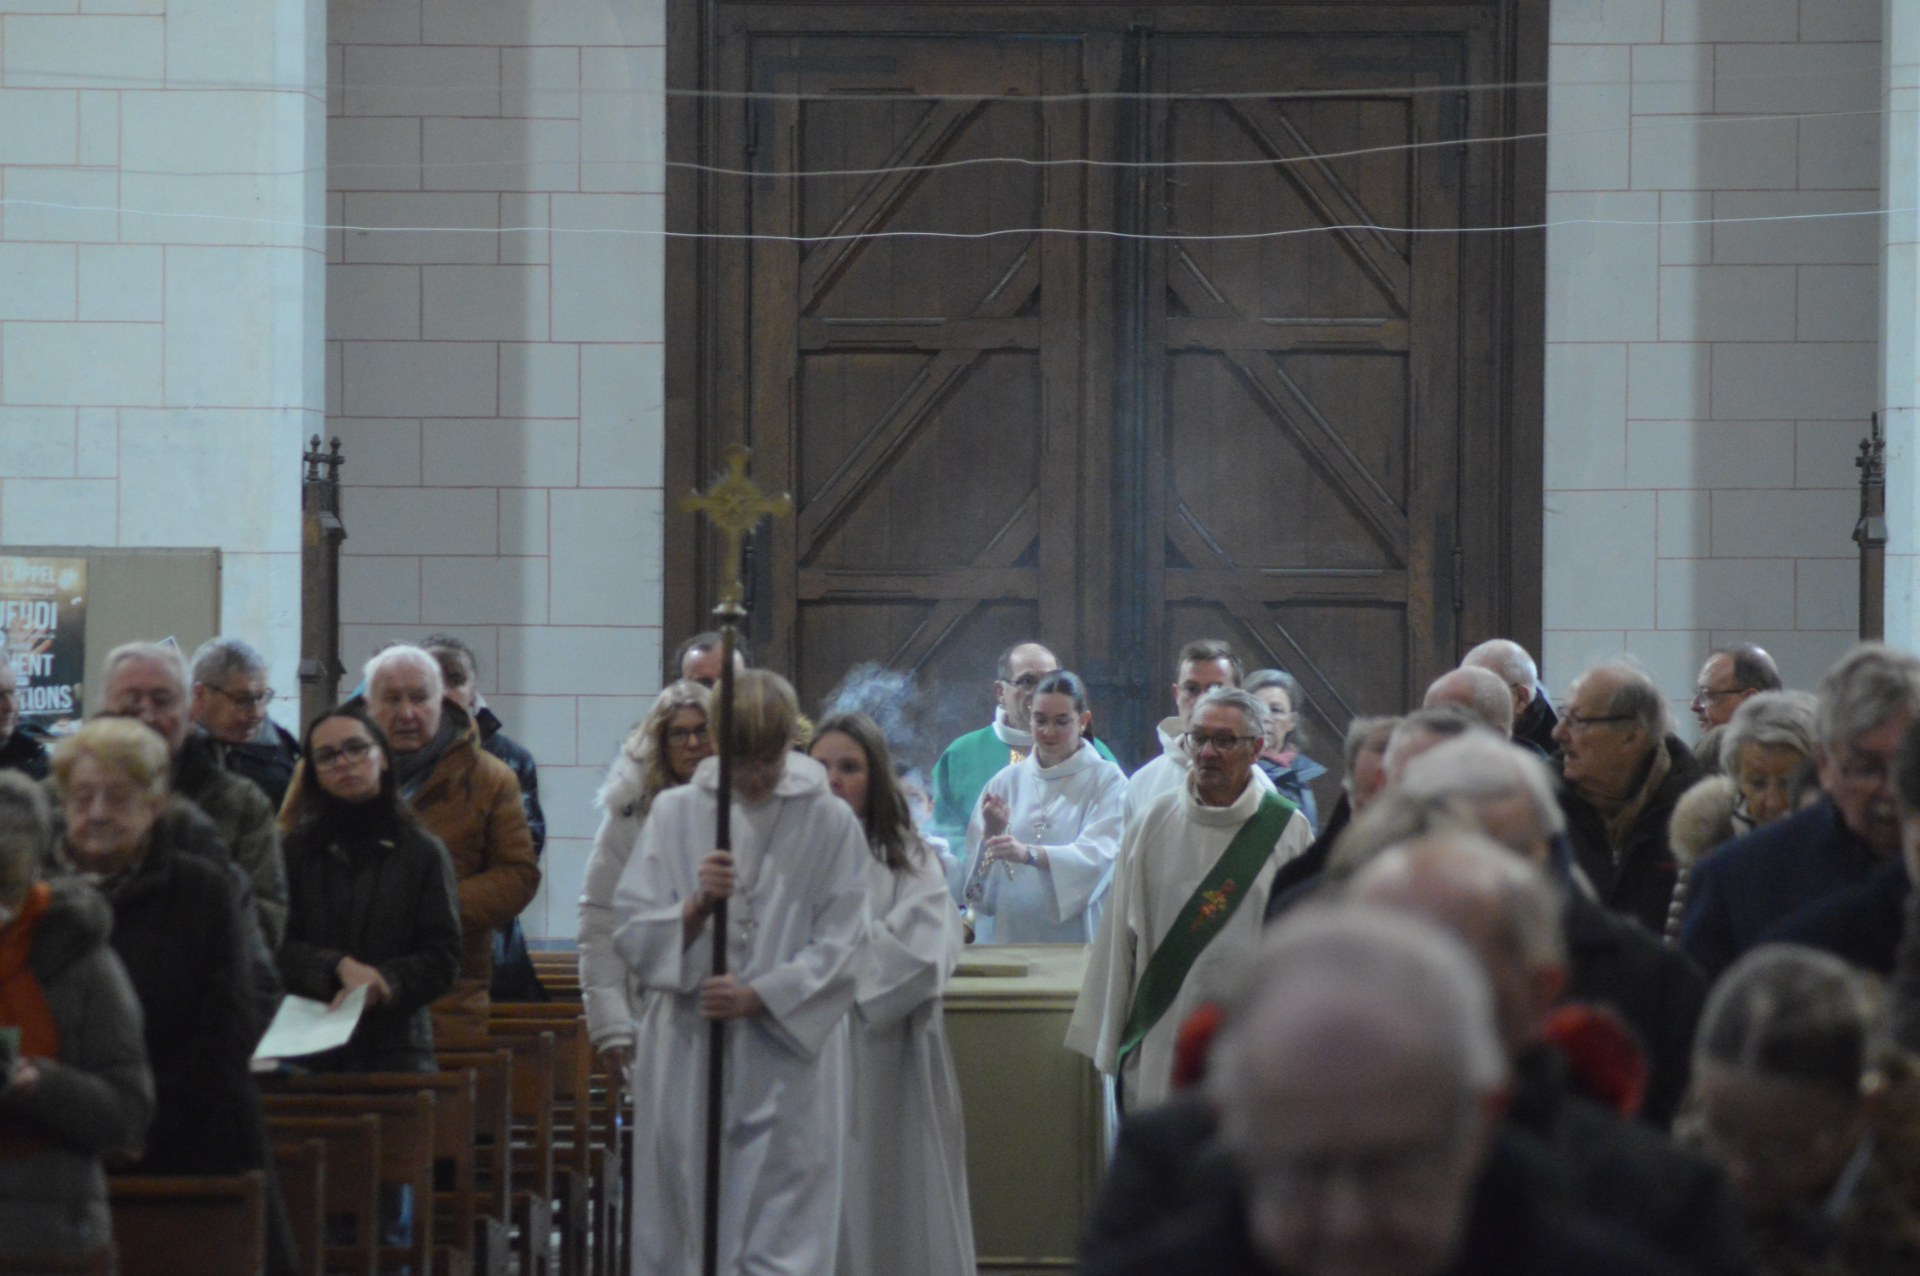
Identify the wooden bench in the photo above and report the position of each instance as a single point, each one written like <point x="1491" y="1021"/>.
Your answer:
<point x="586" y="1177"/>
<point x="95" y="1262"/>
<point x="214" y="1225"/>
<point x="406" y="1155"/>
<point x="528" y="1172"/>
<point x="301" y="1168"/>
<point x="351" y="1190"/>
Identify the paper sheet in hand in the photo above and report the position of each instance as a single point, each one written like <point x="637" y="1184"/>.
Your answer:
<point x="305" y="1026"/>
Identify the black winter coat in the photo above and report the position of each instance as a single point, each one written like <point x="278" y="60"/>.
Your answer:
<point x="24" y="753"/>
<point x="513" y="974"/>
<point x="268" y="763"/>
<point x="383" y="896"/>
<point x="1638" y="882"/>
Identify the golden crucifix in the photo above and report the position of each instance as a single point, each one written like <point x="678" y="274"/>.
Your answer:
<point x="733" y="505"/>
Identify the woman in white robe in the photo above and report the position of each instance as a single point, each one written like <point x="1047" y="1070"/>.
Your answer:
<point x="1049" y="827"/>
<point x="797" y="924"/>
<point x="658" y="754"/>
<point x="906" y="1208"/>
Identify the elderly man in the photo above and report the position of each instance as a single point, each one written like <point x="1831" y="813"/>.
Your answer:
<point x="1621" y="772"/>
<point x="1357" y="1093"/>
<point x="1478" y="691"/>
<point x="1732" y="676"/>
<point x="1425" y="729"/>
<point x="1533" y="715"/>
<point x="698" y="659"/>
<point x="1364" y="754"/>
<point x="1188" y="898"/>
<point x="230" y="699"/>
<point x="1202" y="665"/>
<point x="964" y="768"/>
<point x="148" y="681"/>
<point x="1865" y="704"/>
<point x="19" y="751"/>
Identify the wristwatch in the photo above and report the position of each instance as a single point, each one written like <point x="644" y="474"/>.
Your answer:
<point x="1033" y="861"/>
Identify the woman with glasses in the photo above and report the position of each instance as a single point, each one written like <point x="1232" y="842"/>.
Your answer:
<point x="1283" y="757"/>
<point x="658" y="754"/>
<point x="371" y="898"/>
<point x="1042" y="841"/>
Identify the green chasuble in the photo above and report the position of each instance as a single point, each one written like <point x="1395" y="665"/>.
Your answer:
<point x="963" y="771"/>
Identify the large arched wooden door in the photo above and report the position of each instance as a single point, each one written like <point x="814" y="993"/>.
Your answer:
<point x="1113" y="442"/>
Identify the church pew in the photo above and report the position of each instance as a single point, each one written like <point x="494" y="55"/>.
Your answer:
<point x="493" y="1125"/>
<point x="213" y="1225"/>
<point x="352" y="1192"/>
<point x="530" y="1168"/>
<point x="98" y="1262"/>
<point x="301" y="1168"/>
<point x="576" y="1179"/>
<point x="406" y="1155"/>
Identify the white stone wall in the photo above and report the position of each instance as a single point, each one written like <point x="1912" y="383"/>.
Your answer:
<point x="496" y="379"/>
<point x="1707" y="385"/>
<point x="161" y="285"/>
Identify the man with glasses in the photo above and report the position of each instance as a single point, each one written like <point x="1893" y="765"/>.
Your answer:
<point x="1188" y="900"/>
<point x="1865" y="704"/>
<point x="1622" y="771"/>
<point x="230" y="699"/>
<point x="962" y="772"/>
<point x="1731" y="676"/>
<point x="1203" y="664"/>
<point x="19" y="750"/>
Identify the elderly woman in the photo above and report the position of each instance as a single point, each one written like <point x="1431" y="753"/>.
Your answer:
<point x="659" y="754"/>
<point x="1766" y="741"/>
<point x="77" y="1088"/>
<point x="1283" y="758"/>
<point x="1816" y="1117"/>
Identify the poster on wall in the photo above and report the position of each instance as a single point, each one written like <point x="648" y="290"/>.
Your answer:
<point x="43" y="613"/>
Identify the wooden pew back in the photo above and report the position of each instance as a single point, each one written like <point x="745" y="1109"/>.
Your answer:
<point x="217" y="1224"/>
<point x="352" y="1191"/>
<point x="406" y="1152"/>
<point x="301" y="1168"/>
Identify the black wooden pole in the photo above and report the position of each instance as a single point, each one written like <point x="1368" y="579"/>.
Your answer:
<point x="729" y="616"/>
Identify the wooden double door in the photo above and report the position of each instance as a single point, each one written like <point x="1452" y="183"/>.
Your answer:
<point x="1112" y="327"/>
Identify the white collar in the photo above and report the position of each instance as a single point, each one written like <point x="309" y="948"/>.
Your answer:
<point x="801" y="776"/>
<point x="1237" y="813"/>
<point x="1012" y="737"/>
<point x="1085" y="758"/>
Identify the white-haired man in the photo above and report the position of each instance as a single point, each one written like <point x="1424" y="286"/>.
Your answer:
<point x="1533" y="715"/>
<point x="1478" y="691"/>
<point x="1188" y="898"/>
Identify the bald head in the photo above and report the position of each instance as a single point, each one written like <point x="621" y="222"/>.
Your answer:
<point x="1478" y="691"/>
<point x="1511" y="663"/>
<point x="1423" y="729"/>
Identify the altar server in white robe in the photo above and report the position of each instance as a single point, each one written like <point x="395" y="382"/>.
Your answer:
<point x="797" y="925"/>
<point x="906" y="1183"/>
<point x="1203" y="664"/>
<point x="1047" y="829"/>
<point x="1187" y="903"/>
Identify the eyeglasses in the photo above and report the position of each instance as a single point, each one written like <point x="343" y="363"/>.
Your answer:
<point x="350" y="752"/>
<point x="250" y="701"/>
<point x="1026" y="681"/>
<point x="1198" y="740"/>
<point x="1575" y="721"/>
<point x="686" y="735"/>
<point x="1705" y="695"/>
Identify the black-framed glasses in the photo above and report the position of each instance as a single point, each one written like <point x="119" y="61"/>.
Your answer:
<point x="352" y="751"/>
<point x="1575" y="720"/>
<point x="1706" y="695"/>
<point x="1026" y="681"/>
<point x="249" y="700"/>
<point x="686" y="735"/>
<point x="1198" y="740"/>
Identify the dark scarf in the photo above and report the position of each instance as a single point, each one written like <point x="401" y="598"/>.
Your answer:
<point x="410" y="770"/>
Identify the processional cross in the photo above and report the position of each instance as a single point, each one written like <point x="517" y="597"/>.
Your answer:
<point x="732" y="506"/>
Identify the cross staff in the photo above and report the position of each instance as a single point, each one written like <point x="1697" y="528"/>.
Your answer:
<point x="732" y="505"/>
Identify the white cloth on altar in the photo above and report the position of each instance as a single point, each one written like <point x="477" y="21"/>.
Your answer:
<point x="1073" y="812"/>
<point x="1163" y="859"/>
<point x="906" y="1184"/>
<point x="796" y="932"/>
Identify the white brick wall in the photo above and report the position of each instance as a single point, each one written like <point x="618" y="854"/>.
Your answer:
<point x="1706" y="385"/>
<point x="160" y="347"/>
<point x="499" y="393"/>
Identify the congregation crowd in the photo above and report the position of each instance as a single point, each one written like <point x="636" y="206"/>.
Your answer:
<point x="1544" y="989"/>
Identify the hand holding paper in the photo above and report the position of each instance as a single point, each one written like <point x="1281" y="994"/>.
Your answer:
<point x="305" y="1026"/>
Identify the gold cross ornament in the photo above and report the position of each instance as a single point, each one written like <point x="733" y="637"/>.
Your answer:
<point x="733" y="505"/>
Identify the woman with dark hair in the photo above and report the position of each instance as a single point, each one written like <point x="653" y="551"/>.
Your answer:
<point x="1283" y="758"/>
<point x="1041" y="844"/>
<point x="659" y="754"/>
<point x="371" y="898"/>
<point x="906" y="1205"/>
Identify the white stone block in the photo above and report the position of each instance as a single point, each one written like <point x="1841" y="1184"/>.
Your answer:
<point x="1840" y="152"/>
<point x="1727" y="303"/>
<point x="1677" y="152"/>
<point x="533" y="918"/>
<point x="215" y="42"/>
<point x="608" y="268"/>
<point x="37" y="442"/>
<point x="425" y="229"/>
<point x="579" y="660"/>
<point x="217" y="211"/>
<point x="373" y="303"/>
<point x="576" y="22"/>
<point x="501" y="453"/>
<point x="1603" y="267"/>
<point x="1726" y="593"/>
<point x="1827" y="593"/>
<point x="1685" y="524"/>
<point x="373" y="154"/>
<point x="373" y="21"/>
<point x="1586" y="416"/>
<point x="501" y="155"/>
<point x="1838" y="303"/>
<point x="1686" y="229"/>
<point x="377" y="451"/>
<point x="485" y="303"/>
<point x="81" y="363"/>
<point x="380" y="591"/>
<point x="260" y="597"/>
<point x="623" y="120"/>
<point x="526" y="229"/>
<point x="1840" y="19"/>
<point x="37" y="281"/>
<point x="419" y="520"/>
<point x="39" y="6"/>
<point x="540" y="82"/>
<point x="99" y="128"/>
<point x="336" y="238"/>
<point x="1810" y="382"/>
<point x="97" y="443"/>
<point x="419" y="80"/>
<point x="420" y="378"/>
<point x="539" y="380"/>
<point x="546" y="725"/>
<point x="1710" y="454"/>
<point x="38" y="127"/>
<point x="572" y="818"/>
<point x="336" y="378"/>
<point x="1606" y="22"/>
<point x="64" y="52"/>
<point x="1783" y="524"/>
<point x="1802" y="79"/>
<point x="523" y="520"/>
<point x="230" y="478"/>
<point x="1712" y="21"/>
<point x="622" y="398"/>
<point x="63" y="205"/>
<point x="605" y="722"/>
<point x="1824" y="453"/>
<point x="1672" y="79"/>
<point x="1599" y="560"/>
<point x="230" y="341"/>
<point x="606" y="556"/>
<point x="58" y="511"/>
<point x="121" y="281"/>
<point x="1796" y="228"/>
<point x="1567" y="653"/>
<point x="1672" y="658"/>
<point x="1669" y="381"/>
<point x="483" y="591"/>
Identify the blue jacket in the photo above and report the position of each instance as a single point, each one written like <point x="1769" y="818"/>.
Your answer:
<point x="1295" y="783"/>
<point x="1742" y="889"/>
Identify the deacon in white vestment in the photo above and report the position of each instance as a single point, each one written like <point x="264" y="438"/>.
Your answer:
<point x="797" y="924"/>
<point x="1070" y="813"/>
<point x="1203" y="665"/>
<point x="1168" y="854"/>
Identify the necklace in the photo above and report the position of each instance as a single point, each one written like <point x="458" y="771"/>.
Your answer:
<point x="743" y="894"/>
